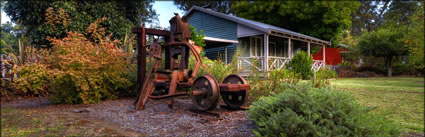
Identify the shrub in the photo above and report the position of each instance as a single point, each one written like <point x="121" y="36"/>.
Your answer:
<point x="278" y="81"/>
<point x="88" y="69"/>
<point x="284" y="75"/>
<point x="216" y="68"/>
<point x="306" y="111"/>
<point x="323" y="76"/>
<point x="32" y="79"/>
<point x="301" y="63"/>
<point x="197" y="38"/>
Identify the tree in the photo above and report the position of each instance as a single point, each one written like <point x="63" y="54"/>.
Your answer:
<point x="8" y="37"/>
<point x="368" y="16"/>
<point x="223" y="6"/>
<point x="76" y="16"/>
<point x="321" y="19"/>
<point x="414" y="39"/>
<point x="400" y="11"/>
<point x="384" y="42"/>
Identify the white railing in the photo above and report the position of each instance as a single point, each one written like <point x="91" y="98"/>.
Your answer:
<point x="249" y="63"/>
<point x="317" y="64"/>
<point x="2" y="66"/>
<point x="277" y="62"/>
<point x="257" y="62"/>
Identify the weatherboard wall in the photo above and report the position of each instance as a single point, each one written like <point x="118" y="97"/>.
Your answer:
<point x="215" y="27"/>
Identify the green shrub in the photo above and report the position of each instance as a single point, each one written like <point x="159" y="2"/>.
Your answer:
<point x="284" y="75"/>
<point x="301" y="63"/>
<point x="217" y="68"/>
<point x="305" y="111"/>
<point x="323" y="76"/>
<point x="32" y="79"/>
<point x="197" y="38"/>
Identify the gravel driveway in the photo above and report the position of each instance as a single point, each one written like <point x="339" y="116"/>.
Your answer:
<point x="155" y="120"/>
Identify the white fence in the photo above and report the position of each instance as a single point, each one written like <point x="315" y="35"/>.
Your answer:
<point x="256" y="63"/>
<point x="5" y="70"/>
<point x="317" y="64"/>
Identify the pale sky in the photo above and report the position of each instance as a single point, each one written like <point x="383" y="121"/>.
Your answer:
<point x="4" y="18"/>
<point x="165" y="10"/>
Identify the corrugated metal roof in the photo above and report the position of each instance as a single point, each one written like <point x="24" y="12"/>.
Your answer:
<point x="266" y="28"/>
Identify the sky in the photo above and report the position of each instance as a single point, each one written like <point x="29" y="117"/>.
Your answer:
<point x="4" y="18"/>
<point x="165" y="10"/>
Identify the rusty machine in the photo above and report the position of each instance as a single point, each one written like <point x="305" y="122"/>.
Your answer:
<point x="205" y="90"/>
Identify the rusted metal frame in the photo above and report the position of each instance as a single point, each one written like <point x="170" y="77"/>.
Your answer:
<point x="185" y="84"/>
<point x="180" y="76"/>
<point x="157" y="32"/>
<point x="168" y="96"/>
<point x="172" y="87"/>
<point x="149" y="87"/>
<point x="225" y="88"/>
<point x="197" y="64"/>
<point x="141" y="58"/>
<point x="199" y="92"/>
<point x="194" y="52"/>
<point x="233" y="87"/>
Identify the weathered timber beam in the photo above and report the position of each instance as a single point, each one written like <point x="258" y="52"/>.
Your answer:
<point x="151" y="31"/>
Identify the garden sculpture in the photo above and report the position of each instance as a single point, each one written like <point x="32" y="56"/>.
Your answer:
<point x="205" y="90"/>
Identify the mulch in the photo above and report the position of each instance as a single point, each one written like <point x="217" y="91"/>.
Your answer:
<point x="155" y="120"/>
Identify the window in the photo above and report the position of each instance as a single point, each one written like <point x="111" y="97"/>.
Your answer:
<point x="256" y="46"/>
<point x="272" y="49"/>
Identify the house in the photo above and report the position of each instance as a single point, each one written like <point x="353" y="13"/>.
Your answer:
<point x="263" y="47"/>
<point x="332" y="56"/>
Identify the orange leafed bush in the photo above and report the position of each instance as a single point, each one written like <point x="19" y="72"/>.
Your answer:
<point x="88" y="69"/>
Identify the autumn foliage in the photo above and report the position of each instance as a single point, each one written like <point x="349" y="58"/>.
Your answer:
<point x="87" y="70"/>
<point x="78" y="68"/>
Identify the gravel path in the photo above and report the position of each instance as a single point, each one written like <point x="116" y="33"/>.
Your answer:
<point x="155" y="120"/>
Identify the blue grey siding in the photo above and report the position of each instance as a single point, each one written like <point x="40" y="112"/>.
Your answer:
<point x="213" y="26"/>
<point x="231" y="50"/>
<point x="213" y="53"/>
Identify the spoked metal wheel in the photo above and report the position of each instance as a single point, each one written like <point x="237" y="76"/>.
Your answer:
<point x="205" y="92"/>
<point x="234" y="99"/>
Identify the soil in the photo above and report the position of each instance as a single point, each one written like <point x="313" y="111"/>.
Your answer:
<point x="119" y="118"/>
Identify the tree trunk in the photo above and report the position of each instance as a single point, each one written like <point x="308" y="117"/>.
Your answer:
<point x="389" y="66"/>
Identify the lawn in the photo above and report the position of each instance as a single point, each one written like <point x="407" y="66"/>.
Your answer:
<point x="400" y="99"/>
<point x="17" y="122"/>
<point x="20" y="122"/>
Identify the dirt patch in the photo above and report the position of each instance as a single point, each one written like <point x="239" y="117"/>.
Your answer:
<point x="118" y="117"/>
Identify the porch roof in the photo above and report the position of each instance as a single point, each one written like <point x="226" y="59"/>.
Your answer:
<point x="266" y="28"/>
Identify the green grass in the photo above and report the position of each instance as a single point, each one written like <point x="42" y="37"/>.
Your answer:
<point x="17" y="122"/>
<point x="399" y="99"/>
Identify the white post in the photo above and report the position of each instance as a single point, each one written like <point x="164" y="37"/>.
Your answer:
<point x="308" y="48"/>
<point x="324" y="55"/>
<point x="289" y="49"/>
<point x="225" y="54"/>
<point x="266" y="53"/>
